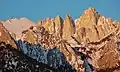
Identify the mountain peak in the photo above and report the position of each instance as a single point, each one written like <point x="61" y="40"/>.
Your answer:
<point x="91" y="34"/>
<point x="88" y="18"/>
<point x="90" y="10"/>
<point x="17" y="25"/>
<point x="58" y="17"/>
<point x="58" y="25"/>
<point x="68" y="27"/>
<point x="68" y="16"/>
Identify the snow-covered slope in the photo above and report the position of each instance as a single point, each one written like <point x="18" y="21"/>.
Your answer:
<point x="52" y="57"/>
<point x="12" y="60"/>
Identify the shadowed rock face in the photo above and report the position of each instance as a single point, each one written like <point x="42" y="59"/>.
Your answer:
<point x="12" y="60"/>
<point x="89" y="43"/>
<point x="52" y="57"/>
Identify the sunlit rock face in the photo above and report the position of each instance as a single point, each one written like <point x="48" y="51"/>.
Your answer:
<point x="65" y="53"/>
<point x="102" y="36"/>
<point x="6" y="37"/>
<point x="94" y="32"/>
<point x="48" y="24"/>
<point x="16" y="25"/>
<point x="91" y="26"/>
<point x="91" y="31"/>
<point x="68" y="28"/>
<point x="58" y="26"/>
<point x="87" y="24"/>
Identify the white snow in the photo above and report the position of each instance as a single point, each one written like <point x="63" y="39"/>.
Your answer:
<point x="14" y="63"/>
<point x="45" y="56"/>
<point x="37" y="66"/>
<point x="60" y="62"/>
<point x="34" y="28"/>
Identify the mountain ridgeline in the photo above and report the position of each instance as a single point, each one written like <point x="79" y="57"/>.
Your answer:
<point x="86" y="44"/>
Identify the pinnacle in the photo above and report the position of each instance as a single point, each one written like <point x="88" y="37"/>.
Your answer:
<point x="68" y="16"/>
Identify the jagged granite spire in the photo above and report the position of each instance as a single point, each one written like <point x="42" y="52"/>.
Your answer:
<point x="58" y="25"/>
<point x="68" y="27"/>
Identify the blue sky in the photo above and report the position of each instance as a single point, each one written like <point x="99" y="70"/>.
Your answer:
<point x="40" y="9"/>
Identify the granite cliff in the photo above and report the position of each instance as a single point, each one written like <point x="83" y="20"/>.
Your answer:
<point x="88" y="43"/>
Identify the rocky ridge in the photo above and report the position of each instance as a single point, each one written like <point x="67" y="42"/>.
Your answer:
<point x="11" y="60"/>
<point x="90" y="42"/>
<point x="6" y="37"/>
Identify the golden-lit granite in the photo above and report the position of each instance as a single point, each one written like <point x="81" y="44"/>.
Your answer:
<point x="97" y="37"/>
<point x="6" y="37"/>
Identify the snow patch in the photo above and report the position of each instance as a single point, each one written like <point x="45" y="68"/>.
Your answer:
<point x="23" y="18"/>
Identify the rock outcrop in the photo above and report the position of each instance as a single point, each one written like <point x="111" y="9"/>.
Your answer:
<point x="48" y="24"/>
<point x="11" y="60"/>
<point x="91" y="26"/>
<point x="92" y="32"/>
<point x="87" y="24"/>
<point x="68" y="28"/>
<point x="97" y="34"/>
<point x="6" y="37"/>
<point x="58" y="26"/>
